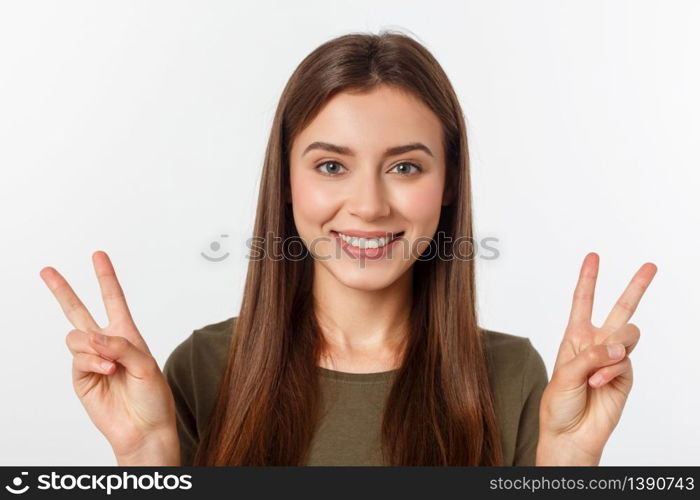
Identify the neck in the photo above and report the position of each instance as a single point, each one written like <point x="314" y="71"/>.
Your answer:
<point x="363" y="330"/>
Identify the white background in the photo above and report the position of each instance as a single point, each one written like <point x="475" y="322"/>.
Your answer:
<point x="139" y="128"/>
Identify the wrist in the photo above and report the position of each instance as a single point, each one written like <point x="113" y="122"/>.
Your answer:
<point x="560" y="451"/>
<point x="158" y="449"/>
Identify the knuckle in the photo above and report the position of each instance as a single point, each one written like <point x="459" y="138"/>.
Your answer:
<point x="119" y="343"/>
<point x="578" y="336"/>
<point x="114" y="295"/>
<point x="152" y="367"/>
<point x="625" y="305"/>
<point x="77" y="359"/>
<point x="593" y="353"/>
<point x="72" y="338"/>
<point x="583" y="295"/>
<point x="73" y="304"/>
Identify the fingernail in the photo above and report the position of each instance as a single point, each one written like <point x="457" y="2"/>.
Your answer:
<point x="106" y="365"/>
<point x="596" y="379"/>
<point x="616" y="350"/>
<point x="101" y="339"/>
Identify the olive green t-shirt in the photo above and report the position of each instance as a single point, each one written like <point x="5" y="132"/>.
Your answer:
<point x="348" y="433"/>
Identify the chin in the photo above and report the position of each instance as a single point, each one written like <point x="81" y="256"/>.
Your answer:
<point x="366" y="279"/>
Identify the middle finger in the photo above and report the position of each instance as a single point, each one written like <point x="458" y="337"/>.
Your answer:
<point x="629" y="300"/>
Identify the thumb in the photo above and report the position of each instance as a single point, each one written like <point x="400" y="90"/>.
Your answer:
<point x="575" y="372"/>
<point x="120" y="349"/>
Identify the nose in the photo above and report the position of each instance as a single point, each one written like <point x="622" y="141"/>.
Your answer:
<point x="368" y="199"/>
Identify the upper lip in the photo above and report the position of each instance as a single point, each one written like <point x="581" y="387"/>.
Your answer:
<point x="368" y="234"/>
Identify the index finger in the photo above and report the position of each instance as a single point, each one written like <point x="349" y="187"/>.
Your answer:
<point x="629" y="300"/>
<point x="72" y="306"/>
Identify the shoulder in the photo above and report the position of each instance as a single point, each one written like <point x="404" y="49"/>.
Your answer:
<point x="518" y="378"/>
<point x="204" y="351"/>
<point x="506" y="349"/>
<point x="513" y="361"/>
<point x="193" y="371"/>
<point x="211" y="336"/>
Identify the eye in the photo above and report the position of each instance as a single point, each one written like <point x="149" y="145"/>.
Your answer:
<point x="410" y="165"/>
<point x="333" y="171"/>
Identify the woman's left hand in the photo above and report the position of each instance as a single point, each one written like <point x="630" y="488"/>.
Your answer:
<point x="590" y="382"/>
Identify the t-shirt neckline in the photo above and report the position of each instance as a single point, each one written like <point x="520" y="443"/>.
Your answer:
<point x="356" y="377"/>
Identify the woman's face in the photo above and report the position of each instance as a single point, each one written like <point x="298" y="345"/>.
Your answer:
<point x="356" y="187"/>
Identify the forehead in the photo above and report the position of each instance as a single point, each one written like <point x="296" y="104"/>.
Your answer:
<point x="370" y="122"/>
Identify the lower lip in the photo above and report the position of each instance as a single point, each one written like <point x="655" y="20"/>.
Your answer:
<point x="366" y="253"/>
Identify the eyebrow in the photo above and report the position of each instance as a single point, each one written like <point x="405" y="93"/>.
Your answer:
<point x="344" y="150"/>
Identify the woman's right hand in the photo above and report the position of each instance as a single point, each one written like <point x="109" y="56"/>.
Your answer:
<point x="115" y="376"/>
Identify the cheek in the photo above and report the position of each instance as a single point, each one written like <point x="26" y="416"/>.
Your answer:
<point x="312" y="203"/>
<point x="421" y="204"/>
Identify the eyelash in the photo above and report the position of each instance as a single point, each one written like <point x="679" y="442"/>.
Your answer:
<point x="420" y="169"/>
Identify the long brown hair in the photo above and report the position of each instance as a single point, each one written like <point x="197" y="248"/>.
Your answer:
<point x="440" y="410"/>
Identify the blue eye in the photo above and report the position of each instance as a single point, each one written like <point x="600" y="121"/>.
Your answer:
<point x="410" y="164"/>
<point x="335" y="171"/>
<point x="328" y="163"/>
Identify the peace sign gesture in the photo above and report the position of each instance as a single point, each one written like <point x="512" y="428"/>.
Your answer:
<point x="114" y="374"/>
<point x="592" y="376"/>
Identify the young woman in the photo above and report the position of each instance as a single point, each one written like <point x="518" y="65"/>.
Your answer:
<point x="363" y="348"/>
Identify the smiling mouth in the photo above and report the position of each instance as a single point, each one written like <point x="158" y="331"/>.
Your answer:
<point x="347" y="239"/>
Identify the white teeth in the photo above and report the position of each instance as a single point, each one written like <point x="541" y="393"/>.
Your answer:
<point x="364" y="242"/>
